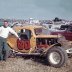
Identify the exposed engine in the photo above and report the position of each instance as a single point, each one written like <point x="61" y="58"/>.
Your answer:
<point x="45" y="42"/>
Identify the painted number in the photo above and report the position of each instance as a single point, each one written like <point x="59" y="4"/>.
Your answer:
<point x="23" y="44"/>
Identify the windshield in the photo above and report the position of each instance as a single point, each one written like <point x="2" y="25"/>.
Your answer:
<point x="43" y="31"/>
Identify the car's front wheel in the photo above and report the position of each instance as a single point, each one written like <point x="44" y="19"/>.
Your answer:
<point x="56" y="56"/>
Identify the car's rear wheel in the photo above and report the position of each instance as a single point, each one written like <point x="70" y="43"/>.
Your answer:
<point x="56" y="56"/>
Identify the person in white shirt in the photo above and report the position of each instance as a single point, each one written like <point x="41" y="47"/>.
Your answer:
<point x="4" y="33"/>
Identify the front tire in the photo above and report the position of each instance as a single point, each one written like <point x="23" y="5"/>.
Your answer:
<point x="56" y="57"/>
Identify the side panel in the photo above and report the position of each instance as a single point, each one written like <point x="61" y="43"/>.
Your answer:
<point x="12" y="42"/>
<point x="68" y="36"/>
<point x="32" y="43"/>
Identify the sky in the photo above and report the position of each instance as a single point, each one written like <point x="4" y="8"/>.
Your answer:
<point x="37" y="9"/>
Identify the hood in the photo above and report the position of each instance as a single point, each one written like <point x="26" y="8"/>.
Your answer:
<point x="48" y="36"/>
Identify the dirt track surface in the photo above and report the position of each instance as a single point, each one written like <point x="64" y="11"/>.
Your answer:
<point x="29" y="65"/>
<point x="19" y="64"/>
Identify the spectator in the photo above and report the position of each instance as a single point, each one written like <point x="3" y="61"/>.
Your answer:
<point x="4" y="32"/>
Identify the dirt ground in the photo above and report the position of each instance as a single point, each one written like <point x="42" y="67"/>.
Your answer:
<point x="29" y="65"/>
<point x="20" y="64"/>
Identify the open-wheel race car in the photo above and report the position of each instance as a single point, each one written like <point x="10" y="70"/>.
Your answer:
<point x="35" y="40"/>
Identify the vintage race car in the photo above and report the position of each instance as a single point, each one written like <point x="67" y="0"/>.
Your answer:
<point x="35" y="40"/>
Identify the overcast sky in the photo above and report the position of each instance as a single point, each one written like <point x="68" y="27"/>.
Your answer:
<point x="38" y="9"/>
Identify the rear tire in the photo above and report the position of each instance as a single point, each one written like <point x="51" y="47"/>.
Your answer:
<point x="11" y="54"/>
<point x="56" y="57"/>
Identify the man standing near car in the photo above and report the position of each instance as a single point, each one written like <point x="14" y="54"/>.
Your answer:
<point x="4" y="32"/>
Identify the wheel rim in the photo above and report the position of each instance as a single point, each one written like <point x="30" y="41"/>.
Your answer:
<point x="54" y="57"/>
